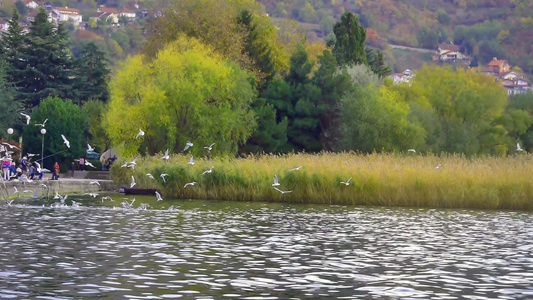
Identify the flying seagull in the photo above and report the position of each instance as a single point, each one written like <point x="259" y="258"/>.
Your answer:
<point x="187" y="146"/>
<point x="282" y="192"/>
<point x="296" y="169"/>
<point x="208" y="171"/>
<point x="89" y="148"/>
<point x="163" y="177"/>
<point x="150" y="175"/>
<point x="87" y="163"/>
<point x="65" y="141"/>
<point x="106" y="198"/>
<point x="518" y="148"/>
<point x="94" y="182"/>
<point x="141" y="133"/>
<point x="276" y="181"/>
<point x="158" y="196"/>
<point x="28" y="118"/>
<point x="191" y="162"/>
<point x="132" y="182"/>
<point x="11" y="146"/>
<point x="347" y="182"/>
<point x="210" y="147"/>
<point x="166" y="156"/>
<point x="189" y="183"/>
<point x="437" y="167"/>
<point x="411" y="150"/>
<point x="42" y="124"/>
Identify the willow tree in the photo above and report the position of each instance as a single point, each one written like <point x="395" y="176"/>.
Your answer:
<point x="188" y="92"/>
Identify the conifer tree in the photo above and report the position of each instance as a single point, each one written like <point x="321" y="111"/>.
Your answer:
<point x="92" y="74"/>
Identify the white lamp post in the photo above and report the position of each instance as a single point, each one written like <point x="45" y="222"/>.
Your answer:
<point x="43" y="132"/>
<point x="10" y="131"/>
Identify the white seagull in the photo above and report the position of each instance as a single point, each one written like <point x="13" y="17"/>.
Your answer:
<point x="210" y="147"/>
<point x="9" y="202"/>
<point x="89" y="148"/>
<point x="296" y="169"/>
<point x="411" y="150"/>
<point x="187" y="146"/>
<point x="65" y="141"/>
<point x="209" y="170"/>
<point x="106" y="198"/>
<point x="166" y="156"/>
<point x="282" y="192"/>
<point x="132" y="182"/>
<point x="15" y="190"/>
<point x="518" y="148"/>
<point x="437" y="167"/>
<point x="95" y="182"/>
<point x="150" y="175"/>
<point x="189" y="183"/>
<point x="11" y="146"/>
<point x="163" y="177"/>
<point x="191" y="162"/>
<point x="141" y="133"/>
<point x="347" y="182"/>
<point x="87" y="163"/>
<point x="276" y="181"/>
<point x="28" y="118"/>
<point x="158" y="196"/>
<point x="42" y="124"/>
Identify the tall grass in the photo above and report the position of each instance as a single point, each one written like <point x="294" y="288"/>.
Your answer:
<point x="377" y="179"/>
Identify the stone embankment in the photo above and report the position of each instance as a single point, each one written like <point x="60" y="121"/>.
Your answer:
<point x="50" y="187"/>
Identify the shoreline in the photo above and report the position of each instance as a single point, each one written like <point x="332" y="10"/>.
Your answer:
<point x="386" y="180"/>
<point x="61" y="186"/>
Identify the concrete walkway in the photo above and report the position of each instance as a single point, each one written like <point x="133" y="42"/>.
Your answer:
<point x="61" y="186"/>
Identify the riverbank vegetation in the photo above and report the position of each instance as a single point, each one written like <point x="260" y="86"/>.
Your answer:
<point x="409" y="179"/>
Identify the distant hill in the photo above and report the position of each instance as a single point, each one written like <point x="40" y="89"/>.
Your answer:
<point x="483" y="28"/>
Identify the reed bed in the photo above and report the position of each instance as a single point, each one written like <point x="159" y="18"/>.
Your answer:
<point x="376" y="179"/>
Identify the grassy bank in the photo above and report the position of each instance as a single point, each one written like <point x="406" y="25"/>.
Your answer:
<point x="379" y="179"/>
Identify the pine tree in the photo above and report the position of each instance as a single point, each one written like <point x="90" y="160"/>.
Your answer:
<point x="48" y="63"/>
<point x="11" y="46"/>
<point x="92" y="74"/>
<point x="349" y="42"/>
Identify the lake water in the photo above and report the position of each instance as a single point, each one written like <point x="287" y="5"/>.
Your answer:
<point x="229" y="250"/>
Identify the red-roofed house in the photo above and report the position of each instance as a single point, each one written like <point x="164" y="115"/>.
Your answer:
<point x="127" y="13"/>
<point x="499" y="66"/>
<point x="449" y="53"/>
<point x="111" y="12"/>
<point x="406" y="76"/>
<point x="66" y="14"/>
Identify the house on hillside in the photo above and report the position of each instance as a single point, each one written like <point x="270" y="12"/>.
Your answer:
<point x="110" y="12"/>
<point x="127" y="13"/>
<point x="449" y="53"/>
<point x="31" y="4"/>
<point x="103" y="16"/>
<point x="496" y="66"/>
<point x="66" y="14"/>
<point x="53" y="17"/>
<point x="404" y="77"/>
<point x="46" y="5"/>
<point x="515" y="82"/>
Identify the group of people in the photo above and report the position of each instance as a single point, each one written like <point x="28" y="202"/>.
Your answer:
<point x="24" y="169"/>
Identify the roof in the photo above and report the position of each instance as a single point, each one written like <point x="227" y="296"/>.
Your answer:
<point x="34" y="13"/>
<point x="110" y="10"/>
<point x="497" y="62"/>
<point x="489" y="70"/>
<point x="450" y="47"/>
<point x="26" y="2"/>
<point x="66" y="9"/>
<point x="127" y="11"/>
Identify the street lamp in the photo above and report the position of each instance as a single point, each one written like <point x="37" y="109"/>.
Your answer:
<point x="43" y="132"/>
<point x="10" y="131"/>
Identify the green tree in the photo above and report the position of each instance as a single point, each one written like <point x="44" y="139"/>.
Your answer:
<point x="92" y="74"/>
<point x="349" y="42"/>
<point x="375" y="118"/>
<point x="427" y="38"/>
<point x="9" y="108"/>
<point x="98" y="137"/>
<point x="188" y="92"/>
<point x="11" y="46"/>
<point x="64" y="118"/>
<point x="518" y="121"/>
<point x="48" y="65"/>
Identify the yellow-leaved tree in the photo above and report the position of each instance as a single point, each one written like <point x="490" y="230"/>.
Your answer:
<point x="188" y="92"/>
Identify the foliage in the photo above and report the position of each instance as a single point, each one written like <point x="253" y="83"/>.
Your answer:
<point x="349" y="43"/>
<point x="376" y="179"/>
<point x="518" y="120"/>
<point x="98" y="138"/>
<point x="92" y="74"/>
<point x="188" y="92"/>
<point x="64" y="117"/>
<point x="9" y="108"/>
<point x="427" y="38"/>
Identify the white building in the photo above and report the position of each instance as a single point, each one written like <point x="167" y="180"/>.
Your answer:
<point x="66" y="14"/>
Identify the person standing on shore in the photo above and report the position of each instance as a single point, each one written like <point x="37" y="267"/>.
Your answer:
<point x="82" y="163"/>
<point x="72" y="168"/>
<point x="55" y="172"/>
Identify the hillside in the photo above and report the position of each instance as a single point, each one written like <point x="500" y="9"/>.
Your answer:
<point x="483" y="28"/>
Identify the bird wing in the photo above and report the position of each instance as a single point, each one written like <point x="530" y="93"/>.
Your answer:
<point x="278" y="190"/>
<point x="276" y="179"/>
